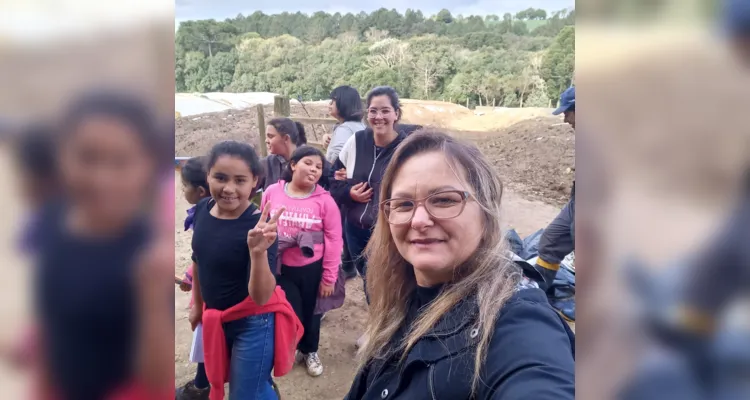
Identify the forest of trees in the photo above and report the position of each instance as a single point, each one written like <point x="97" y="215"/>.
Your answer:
<point x="525" y="59"/>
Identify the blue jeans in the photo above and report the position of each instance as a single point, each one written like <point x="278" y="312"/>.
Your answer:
<point x="250" y="342"/>
<point x="356" y="241"/>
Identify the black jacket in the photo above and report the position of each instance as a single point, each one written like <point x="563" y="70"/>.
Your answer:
<point x="531" y="357"/>
<point x="362" y="165"/>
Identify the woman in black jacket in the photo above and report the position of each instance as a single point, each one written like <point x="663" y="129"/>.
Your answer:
<point x="450" y="316"/>
<point x="364" y="158"/>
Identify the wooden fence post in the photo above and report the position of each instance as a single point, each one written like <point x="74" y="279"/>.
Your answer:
<point x="281" y="106"/>
<point x="262" y="131"/>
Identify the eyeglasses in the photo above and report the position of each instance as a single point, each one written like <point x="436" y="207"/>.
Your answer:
<point x="442" y="205"/>
<point x="373" y="112"/>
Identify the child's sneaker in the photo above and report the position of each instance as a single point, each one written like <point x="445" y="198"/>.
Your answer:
<point x="190" y="392"/>
<point x="314" y="366"/>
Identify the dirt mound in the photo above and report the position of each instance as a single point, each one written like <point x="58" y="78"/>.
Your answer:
<point x="494" y="119"/>
<point x="196" y="134"/>
<point x="535" y="158"/>
<point x="439" y="114"/>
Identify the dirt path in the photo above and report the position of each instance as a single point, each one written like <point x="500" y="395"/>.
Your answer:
<point x="340" y="328"/>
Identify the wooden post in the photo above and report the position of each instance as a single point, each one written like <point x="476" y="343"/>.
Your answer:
<point x="281" y="106"/>
<point x="262" y="131"/>
<point x="467" y="102"/>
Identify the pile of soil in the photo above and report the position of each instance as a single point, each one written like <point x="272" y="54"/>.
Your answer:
<point x="535" y="158"/>
<point x="196" y="134"/>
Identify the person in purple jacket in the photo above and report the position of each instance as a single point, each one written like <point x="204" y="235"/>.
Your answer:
<point x="36" y="162"/>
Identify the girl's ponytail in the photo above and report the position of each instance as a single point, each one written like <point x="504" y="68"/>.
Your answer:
<point x="301" y="135"/>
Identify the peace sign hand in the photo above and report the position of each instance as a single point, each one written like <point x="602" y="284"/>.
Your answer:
<point x="260" y="238"/>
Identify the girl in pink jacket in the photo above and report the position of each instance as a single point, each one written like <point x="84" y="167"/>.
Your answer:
<point x="311" y="227"/>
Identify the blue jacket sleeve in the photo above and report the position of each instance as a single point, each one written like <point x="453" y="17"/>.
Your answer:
<point x="530" y="356"/>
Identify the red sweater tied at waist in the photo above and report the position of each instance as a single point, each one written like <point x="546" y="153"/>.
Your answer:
<point x="287" y="333"/>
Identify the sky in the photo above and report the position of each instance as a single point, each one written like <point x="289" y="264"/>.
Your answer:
<point x="220" y="9"/>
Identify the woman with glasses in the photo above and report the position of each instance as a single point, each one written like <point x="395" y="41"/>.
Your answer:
<point x="450" y="316"/>
<point x="360" y="165"/>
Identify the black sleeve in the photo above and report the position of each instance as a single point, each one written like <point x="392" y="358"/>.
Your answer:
<point x="262" y="178"/>
<point x="530" y="356"/>
<point x="557" y="241"/>
<point x="723" y="263"/>
<point x="340" y="189"/>
<point x="327" y="177"/>
<point x="273" y="253"/>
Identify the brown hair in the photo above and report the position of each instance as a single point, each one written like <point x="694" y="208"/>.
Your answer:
<point x="488" y="273"/>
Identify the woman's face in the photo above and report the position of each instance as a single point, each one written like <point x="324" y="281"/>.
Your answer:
<point x="434" y="247"/>
<point x="381" y="115"/>
<point x="307" y="171"/>
<point x="106" y="168"/>
<point x="333" y="110"/>
<point x="276" y="143"/>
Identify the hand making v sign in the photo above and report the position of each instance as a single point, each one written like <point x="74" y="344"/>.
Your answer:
<point x="260" y="238"/>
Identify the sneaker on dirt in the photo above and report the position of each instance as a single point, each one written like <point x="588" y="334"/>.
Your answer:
<point x="190" y="392"/>
<point x="314" y="366"/>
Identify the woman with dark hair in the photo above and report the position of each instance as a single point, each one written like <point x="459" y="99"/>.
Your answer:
<point x="283" y="137"/>
<point x="346" y="107"/>
<point x="363" y="159"/>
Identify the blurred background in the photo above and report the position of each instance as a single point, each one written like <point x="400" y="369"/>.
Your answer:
<point x="662" y="170"/>
<point x="51" y="52"/>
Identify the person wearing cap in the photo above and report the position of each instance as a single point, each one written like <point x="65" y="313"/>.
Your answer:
<point x="736" y="24"/>
<point x="558" y="239"/>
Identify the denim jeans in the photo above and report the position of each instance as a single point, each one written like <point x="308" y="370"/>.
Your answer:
<point x="250" y="342"/>
<point x="356" y="241"/>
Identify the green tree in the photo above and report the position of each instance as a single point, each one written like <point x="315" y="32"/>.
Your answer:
<point x="208" y="36"/>
<point x="558" y="63"/>
<point x="220" y="72"/>
<point x="444" y="16"/>
<point x="194" y="71"/>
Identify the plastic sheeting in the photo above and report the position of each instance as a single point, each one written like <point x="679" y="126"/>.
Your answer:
<point x="561" y="293"/>
<point x="188" y="104"/>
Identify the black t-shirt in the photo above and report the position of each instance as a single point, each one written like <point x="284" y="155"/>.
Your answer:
<point x="220" y="250"/>
<point x="85" y="300"/>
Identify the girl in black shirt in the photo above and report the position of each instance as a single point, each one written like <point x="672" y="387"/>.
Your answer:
<point x="99" y="288"/>
<point x="232" y="267"/>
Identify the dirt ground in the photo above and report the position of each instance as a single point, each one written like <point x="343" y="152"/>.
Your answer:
<point x="340" y="328"/>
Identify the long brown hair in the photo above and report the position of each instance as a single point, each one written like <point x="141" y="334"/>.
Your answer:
<point x="488" y="273"/>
